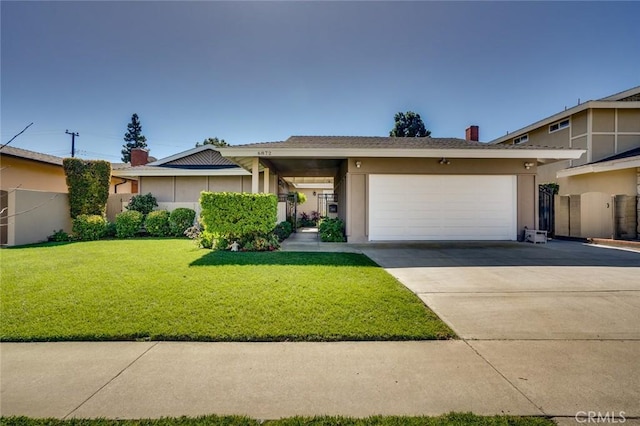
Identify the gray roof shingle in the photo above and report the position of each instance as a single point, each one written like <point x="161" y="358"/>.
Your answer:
<point x="382" y="142"/>
<point x="30" y="155"/>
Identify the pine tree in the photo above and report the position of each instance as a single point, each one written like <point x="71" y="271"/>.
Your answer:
<point x="133" y="138"/>
<point x="409" y="125"/>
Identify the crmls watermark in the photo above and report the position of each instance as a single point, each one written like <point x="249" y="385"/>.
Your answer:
<point x="600" y="417"/>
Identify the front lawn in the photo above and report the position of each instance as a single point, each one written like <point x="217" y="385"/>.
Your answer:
<point x="167" y="289"/>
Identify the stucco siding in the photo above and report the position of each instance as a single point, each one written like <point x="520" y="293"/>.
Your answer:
<point x="28" y="174"/>
<point x="619" y="182"/>
<point x="358" y="207"/>
<point x="34" y="215"/>
<point x="188" y="188"/>
<point x="225" y="184"/>
<point x="161" y="187"/>
<point x="526" y="208"/>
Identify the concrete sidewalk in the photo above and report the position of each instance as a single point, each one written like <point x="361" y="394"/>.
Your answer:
<point x="273" y="380"/>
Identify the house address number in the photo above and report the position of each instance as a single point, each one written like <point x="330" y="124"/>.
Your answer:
<point x="264" y="152"/>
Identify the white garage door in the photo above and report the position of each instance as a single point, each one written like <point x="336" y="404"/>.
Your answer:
<point x="442" y="207"/>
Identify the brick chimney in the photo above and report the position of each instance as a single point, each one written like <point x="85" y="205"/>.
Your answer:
<point x="472" y="133"/>
<point x="139" y="156"/>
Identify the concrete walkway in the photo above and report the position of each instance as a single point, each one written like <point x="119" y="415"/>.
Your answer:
<point x="492" y="370"/>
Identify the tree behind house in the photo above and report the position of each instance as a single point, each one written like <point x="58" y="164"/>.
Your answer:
<point x="409" y="125"/>
<point x="213" y="141"/>
<point x="133" y="138"/>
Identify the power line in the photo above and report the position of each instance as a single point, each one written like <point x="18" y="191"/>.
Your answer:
<point x="29" y="125"/>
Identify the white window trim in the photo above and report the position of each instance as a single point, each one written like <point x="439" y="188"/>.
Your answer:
<point x="521" y="139"/>
<point x="558" y="123"/>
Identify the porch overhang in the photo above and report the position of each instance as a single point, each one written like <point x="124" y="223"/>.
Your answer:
<point x="606" y="166"/>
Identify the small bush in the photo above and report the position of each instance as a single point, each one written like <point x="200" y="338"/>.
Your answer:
<point x="283" y="230"/>
<point x="259" y="242"/>
<point x="332" y="230"/>
<point x="142" y="203"/>
<point x="180" y="220"/>
<point x="89" y="227"/>
<point x="157" y="223"/>
<point x="302" y="197"/>
<point x="59" y="236"/>
<point x="128" y="223"/>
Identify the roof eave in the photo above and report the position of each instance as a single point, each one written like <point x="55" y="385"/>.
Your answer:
<point x="132" y="172"/>
<point x="237" y="154"/>
<point x="607" y="166"/>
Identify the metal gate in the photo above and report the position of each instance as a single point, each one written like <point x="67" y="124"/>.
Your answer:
<point x="546" y="208"/>
<point x="326" y="202"/>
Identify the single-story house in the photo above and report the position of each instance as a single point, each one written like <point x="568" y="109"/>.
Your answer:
<point x="386" y="188"/>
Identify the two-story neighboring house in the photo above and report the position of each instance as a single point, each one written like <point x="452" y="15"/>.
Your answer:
<point x="598" y="192"/>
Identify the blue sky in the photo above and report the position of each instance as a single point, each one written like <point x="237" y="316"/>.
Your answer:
<point x="263" y="71"/>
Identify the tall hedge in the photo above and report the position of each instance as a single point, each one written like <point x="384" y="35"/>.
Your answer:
<point x="88" y="182"/>
<point x="233" y="215"/>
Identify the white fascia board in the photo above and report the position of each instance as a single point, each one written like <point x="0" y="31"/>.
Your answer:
<point x="555" y="154"/>
<point x="180" y="172"/>
<point x="566" y="114"/>
<point x="608" y="166"/>
<point x="181" y="155"/>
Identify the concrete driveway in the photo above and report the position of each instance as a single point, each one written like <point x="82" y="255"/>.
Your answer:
<point x="502" y="291"/>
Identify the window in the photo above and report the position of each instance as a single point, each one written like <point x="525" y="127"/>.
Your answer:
<point x="521" y="139"/>
<point x="559" y="125"/>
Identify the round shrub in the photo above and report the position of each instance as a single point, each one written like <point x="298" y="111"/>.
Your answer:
<point x="180" y="220"/>
<point x="89" y="227"/>
<point x="157" y="223"/>
<point x="142" y="203"/>
<point x="128" y="223"/>
<point x="283" y="230"/>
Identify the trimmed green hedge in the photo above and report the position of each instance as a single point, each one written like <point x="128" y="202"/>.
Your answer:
<point x="157" y="223"/>
<point x="233" y="215"/>
<point x="88" y="182"/>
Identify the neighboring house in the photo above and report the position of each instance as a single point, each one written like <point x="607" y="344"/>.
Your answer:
<point x="177" y="181"/>
<point x="608" y="130"/>
<point x="411" y="188"/>
<point x="33" y="197"/>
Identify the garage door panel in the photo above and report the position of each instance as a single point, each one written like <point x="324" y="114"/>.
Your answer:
<point x="442" y="207"/>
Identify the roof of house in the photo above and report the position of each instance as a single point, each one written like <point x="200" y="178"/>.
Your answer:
<point x="31" y="155"/>
<point x="377" y="142"/>
<point x="203" y="160"/>
<point x="627" y="99"/>
<point x="624" y="160"/>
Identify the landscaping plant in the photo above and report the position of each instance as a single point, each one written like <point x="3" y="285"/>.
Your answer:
<point x="88" y="183"/>
<point x="89" y="227"/>
<point x="180" y="220"/>
<point x="332" y="230"/>
<point x="142" y="203"/>
<point x="157" y="223"/>
<point x="128" y="223"/>
<point x="283" y="230"/>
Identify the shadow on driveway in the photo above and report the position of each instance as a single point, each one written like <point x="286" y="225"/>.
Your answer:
<point x="469" y="254"/>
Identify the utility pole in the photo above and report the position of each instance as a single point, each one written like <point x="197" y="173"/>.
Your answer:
<point x="73" y="142"/>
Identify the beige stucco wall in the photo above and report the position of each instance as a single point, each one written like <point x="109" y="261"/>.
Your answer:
<point x="34" y="215"/>
<point x="356" y="215"/>
<point x="628" y="142"/>
<point x="602" y="146"/>
<point x="579" y="124"/>
<point x="603" y="120"/>
<point x="187" y="188"/>
<point x="28" y="174"/>
<point x="617" y="182"/>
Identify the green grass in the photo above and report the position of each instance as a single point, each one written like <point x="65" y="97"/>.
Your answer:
<point x="451" y="419"/>
<point x="167" y="289"/>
